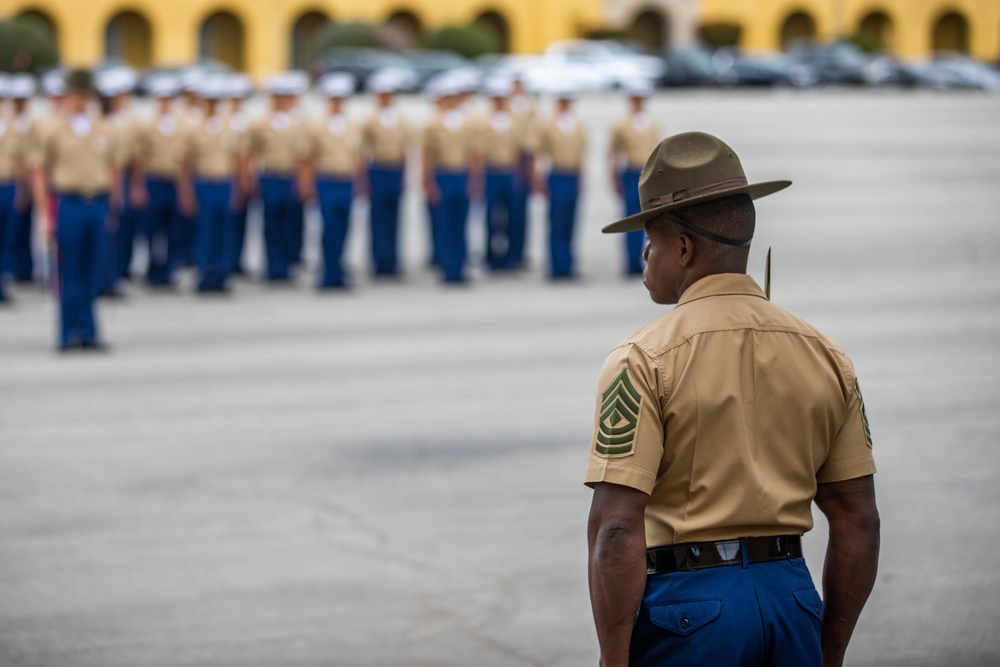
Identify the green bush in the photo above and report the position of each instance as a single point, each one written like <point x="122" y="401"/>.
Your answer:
<point x="26" y="46"/>
<point x="719" y="35"/>
<point x="470" y="41"/>
<point x="338" y="35"/>
<point x="866" y="41"/>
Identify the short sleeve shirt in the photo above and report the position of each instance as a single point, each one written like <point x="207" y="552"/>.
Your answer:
<point x="728" y="411"/>
<point x="634" y="138"/>
<point x="384" y="136"/>
<point x="160" y="145"/>
<point x="80" y="154"/>
<point x="334" y="146"/>
<point x="213" y="149"/>
<point x="563" y="141"/>
<point x="278" y="143"/>
<point x="449" y="141"/>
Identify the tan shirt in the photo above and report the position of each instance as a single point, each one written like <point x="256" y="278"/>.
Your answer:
<point x="79" y="154"/>
<point x="127" y="129"/>
<point x="12" y="145"/>
<point x="563" y="141"/>
<point x="449" y="141"/>
<point x="634" y="138"/>
<point x="384" y="136"/>
<point x="159" y="145"/>
<point x="501" y="139"/>
<point x="728" y="410"/>
<point x="334" y="146"/>
<point x="213" y="149"/>
<point x="277" y="143"/>
<point x="523" y="110"/>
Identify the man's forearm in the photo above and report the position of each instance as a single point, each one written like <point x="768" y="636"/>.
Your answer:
<point x="617" y="573"/>
<point x="848" y="577"/>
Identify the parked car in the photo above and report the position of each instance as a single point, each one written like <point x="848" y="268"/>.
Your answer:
<point x="547" y="74"/>
<point x="614" y="61"/>
<point x="887" y="70"/>
<point x="688" y="68"/>
<point x="195" y="71"/>
<point x="427" y="63"/>
<point x="733" y="68"/>
<point x="357" y="61"/>
<point x="839" y="63"/>
<point x="952" y="70"/>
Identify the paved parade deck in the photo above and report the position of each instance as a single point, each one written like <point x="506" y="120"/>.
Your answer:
<point x="392" y="477"/>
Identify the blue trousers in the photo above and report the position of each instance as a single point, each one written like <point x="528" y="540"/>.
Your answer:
<point x="564" y="190"/>
<point x="282" y="225"/>
<point x="760" y="615"/>
<point x="235" y="259"/>
<point x="163" y="227"/>
<point x="6" y="221"/>
<point x="499" y="218"/>
<point x="453" y="217"/>
<point x="128" y="230"/>
<point x="20" y="256"/>
<point x="80" y="235"/>
<point x="215" y="233"/>
<point x="635" y="242"/>
<point x="386" y="185"/>
<point x="335" y="198"/>
<point x="519" y="214"/>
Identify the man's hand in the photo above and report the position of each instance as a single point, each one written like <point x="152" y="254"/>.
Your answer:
<point x="617" y="566"/>
<point x="851" y="560"/>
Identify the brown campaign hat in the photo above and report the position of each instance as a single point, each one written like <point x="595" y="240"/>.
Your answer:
<point x="687" y="169"/>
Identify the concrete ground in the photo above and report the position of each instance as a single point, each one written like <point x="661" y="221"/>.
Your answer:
<point x="393" y="477"/>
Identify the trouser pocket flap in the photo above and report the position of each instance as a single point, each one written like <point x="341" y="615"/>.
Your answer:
<point x="683" y="618"/>
<point x="809" y="600"/>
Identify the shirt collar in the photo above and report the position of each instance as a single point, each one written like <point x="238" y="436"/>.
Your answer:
<point x="722" y="284"/>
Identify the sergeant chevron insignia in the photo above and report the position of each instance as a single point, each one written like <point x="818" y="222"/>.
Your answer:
<point x="619" y="417"/>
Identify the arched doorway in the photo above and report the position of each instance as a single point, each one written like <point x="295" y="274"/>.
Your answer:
<point x="128" y="37"/>
<point x="797" y="27"/>
<point x="305" y="33"/>
<point x="651" y="30"/>
<point x="223" y="39"/>
<point x="876" y="31"/>
<point x="43" y="21"/>
<point x="407" y="26"/>
<point x="497" y="25"/>
<point x="951" y="33"/>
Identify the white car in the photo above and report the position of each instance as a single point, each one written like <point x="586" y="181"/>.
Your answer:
<point x="616" y="61"/>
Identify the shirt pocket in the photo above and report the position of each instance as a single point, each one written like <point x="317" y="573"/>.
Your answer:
<point x="683" y="618"/>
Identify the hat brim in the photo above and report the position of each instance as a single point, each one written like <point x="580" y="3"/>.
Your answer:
<point x="639" y="220"/>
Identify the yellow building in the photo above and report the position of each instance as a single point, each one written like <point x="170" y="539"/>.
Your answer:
<point x="906" y="27"/>
<point x="263" y="36"/>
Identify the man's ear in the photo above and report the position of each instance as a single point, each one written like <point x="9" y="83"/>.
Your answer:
<point x="685" y="250"/>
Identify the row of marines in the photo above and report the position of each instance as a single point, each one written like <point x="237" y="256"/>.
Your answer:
<point x="181" y="181"/>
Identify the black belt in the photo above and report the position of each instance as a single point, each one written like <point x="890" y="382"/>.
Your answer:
<point x="704" y="555"/>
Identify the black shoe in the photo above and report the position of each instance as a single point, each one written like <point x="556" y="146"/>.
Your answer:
<point x="95" y="346"/>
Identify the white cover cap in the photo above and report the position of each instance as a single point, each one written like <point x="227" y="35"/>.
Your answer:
<point x="163" y="85"/>
<point x="54" y="83"/>
<point x="239" y="86"/>
<point x="21" y="86"/>
<point x="288" y="83"/>
<point x="639" y="88"/>
<point x="337" y="84"/>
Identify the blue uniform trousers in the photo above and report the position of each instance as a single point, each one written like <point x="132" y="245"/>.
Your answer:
<point x="499" y="217"/>
<point x="453" y="216"/>
<point x="434" y="228"/>
<point x="386" y="184"/>
<point x="335" y="198"/>
<point x="564" y="189"/>
<point x="80" y="234"/>
<point x="235" y="258"/>
<point x="282" y="213"/>
<point x="20" y="256"/>
<point x="635" y="242"/>
<point x="128" y="230"/>
<point x="6" y="221"/>
<point x="519" y="214"/>
<point x="759" y="615"/>
<point x="214" y="235"/>
<point x="163" y="226"/>
<point x="186" y="235"/>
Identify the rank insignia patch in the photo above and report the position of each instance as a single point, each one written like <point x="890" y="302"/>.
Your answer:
<point x="619" y="417"/>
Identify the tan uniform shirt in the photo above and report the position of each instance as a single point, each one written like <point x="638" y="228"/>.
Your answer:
<point x="384" y="136"/>
<point x="277" y="143"/>
<point x="523" y="109"/>
<point x="501" y="139"/>
<point x="563" y="141"/>
<point x="80" y="154"/>
<point x="11" y="146"/>
<point x="634" y="139"/>
<point x="728" y="410"/>
<point x="449" y="141"/>
<point x="127" y="129"/>
<point x="159" y="145"/>
<point x="213" y="149"/>
<point x="334" y="146"/>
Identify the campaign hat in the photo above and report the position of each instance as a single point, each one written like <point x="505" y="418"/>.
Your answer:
<point x="688" y="169"/>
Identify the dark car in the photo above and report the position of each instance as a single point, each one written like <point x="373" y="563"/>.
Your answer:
<point x="688" y="68"/>
<point x="735" y="69"/>
<point x="887" y="70"/>
<point x="357" y="61"/>
<point x="953" y="70"/>
<point x="427" y="63"/>
<point x="840" y="63"/>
